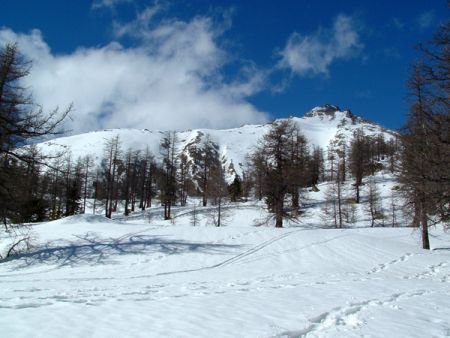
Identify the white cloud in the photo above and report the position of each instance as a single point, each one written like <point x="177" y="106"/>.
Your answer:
<point x="313" y="54"/>
<point x="171" y="80"/>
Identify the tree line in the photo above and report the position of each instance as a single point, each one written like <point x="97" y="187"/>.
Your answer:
<point x="281" y="167"/>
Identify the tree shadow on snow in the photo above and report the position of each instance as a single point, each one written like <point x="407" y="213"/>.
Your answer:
<point x="91" y="249"/>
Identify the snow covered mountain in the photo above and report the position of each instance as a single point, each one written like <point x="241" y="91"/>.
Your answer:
<point x="320" y="126"/>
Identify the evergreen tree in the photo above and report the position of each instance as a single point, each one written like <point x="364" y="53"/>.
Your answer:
<point x="168" y="181"/>
<point x="277" y="156"/>
<point x="218" y="193"/>
<point x="316" y="166"/>
<point x="425" y="139"/>
<point x="359" y="159"/>
<point x="88" y="164"/>
<point x="184" y="178"/>
<point x="335" y="207"/>
<point x="374" y="206"/>
<point x="20" y="120"/>
<point x="206" y="158"/>
<point x="235" y="189"/>
<point x="110" y="165"/>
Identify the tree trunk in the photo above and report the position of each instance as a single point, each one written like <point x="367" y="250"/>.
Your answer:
<point x="339" y="193"/>
<point x="357" y="192"/>
<point x="148" y="198"/>
<point x="219" y="211"/>
<point x="127" y="185"/>
<point x="127" y="202"/>
<point x="133" y="202"/>
<point x="95" y="193"/>
<point x="279" y="213"/>
<point x="260" y="190"/>
<point x="344" y="163"/>
<point x="85" y="189"/>
<point x="424" y="224"/>
<point x="205" y="184"/>
<point x="204" y="199"/>
<point x="372" y="216"/>
<point x="143" y="188"/>
<point x="295" y="198"/>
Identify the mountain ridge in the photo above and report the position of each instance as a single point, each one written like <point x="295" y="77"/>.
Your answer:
<point x="320" y="126"/>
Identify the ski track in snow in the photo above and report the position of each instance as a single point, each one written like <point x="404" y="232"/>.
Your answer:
<point x="255" y="249"/>
<point x="277" y="253"/>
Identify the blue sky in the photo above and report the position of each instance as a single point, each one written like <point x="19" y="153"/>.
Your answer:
<point x="189" y="64"/>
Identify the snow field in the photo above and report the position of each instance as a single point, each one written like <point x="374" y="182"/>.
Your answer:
<point x="90" y="276"/>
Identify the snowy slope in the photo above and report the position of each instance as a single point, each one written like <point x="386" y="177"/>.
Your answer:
<point x="93" y="277"/>
<point x="319" y="126"/>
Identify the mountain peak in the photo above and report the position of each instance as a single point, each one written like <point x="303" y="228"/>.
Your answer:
<point x="329" y="110"/>
<point x="322" y="111"/>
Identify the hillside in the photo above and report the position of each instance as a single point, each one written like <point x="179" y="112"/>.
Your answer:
<point x="320" y="126"/>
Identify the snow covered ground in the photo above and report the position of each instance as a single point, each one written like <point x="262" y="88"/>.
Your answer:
<point x="142" y="277"/>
